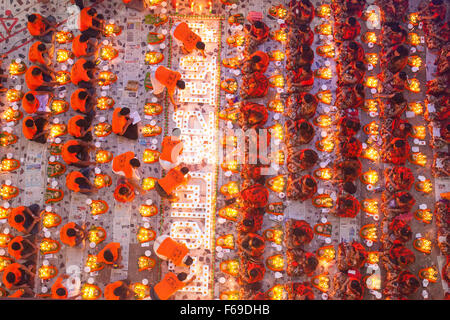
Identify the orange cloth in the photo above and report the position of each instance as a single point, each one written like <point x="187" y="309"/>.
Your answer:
<point x="85" y="19"/>
<point x="79" y="48"/>
<point x="34" y="55"/>
<point x="30" y="107"/>
<point x="14" y="268"/>
<point x="33" y="82"/>
<point x="168" y="286"/>
<point x="76" y="103"/>
<point x="16" y="294"/>
<point x="261" y="66"/>
<point x="70" y="180"/>
<point x="124" y="198"/>
<point x="37" y="27"/>
<point x="189" y="38"/>
<point x="114" y="248"/>
<point x="172" y="180"/>
<point x="173" y="250"/>
<point x="15" y="212"/>
<point x="167" y="77"/>
<point x="121" y="163"/>
<point x="28" y="133"/>
<point x="70" y="241"/>
<point x="16" y="254"/>
<point x="168" y="145"/>
<point x="72" y="127"/>
<point x="78" y="72"/>
<point x="118" y="121"/>
<point x="58" y="285"/>
<point x="109" y="290"/>
<point x="68" y="157"/>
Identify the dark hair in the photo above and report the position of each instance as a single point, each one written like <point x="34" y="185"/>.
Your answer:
<point x="348" y="203"/>
<point x="253" y="273"/>
<point x="304" y="125"/>
<point x="399" y="143"/>
<point x="79" y="180"/>
<point x="395" y="26"/>
<point x="36" y="71"/>
<point x="405" y="197"/>
<point x="81" y="123"/>
<point x="308" y="97"/>
<point x="258" y="25"/>
<point x="402" y="50"/>
<point x="200" y="45"/>
<point x="19" y="218"/>
<point x="120" y="292"/>
<point x="74" y="149"/>
<point x="124" y="111"/>
<point x="307" y="67"/>
<point x="30" y="97"/>
<point x="256" y="242"/>
<point x="41" y="47"/>
<point x="360" y="65"/>
<point x="299" y="232"/>
<point x="255" y="59"/>
<point x="310" y="182"/>
<point x="405" y="231"/>
<point x="123" y="191"/>
<point x="184" y="170"/>
<point x="188" y="261"/>
<point x="413" y="282"/>
<point x="61" y="292"/>
<point x="402" y="75"/>
<point x="248" y="222"/>
<point x="436" y="2"/>
<point x="303" y="28"/>
<point x="135" y="163"/>
<point x="88" y="65"/>
<point x="180" y="84"/>
<point x="353" y="45"/>
<point x="10" y="277"/>
<point x="29" y="123"/>
<point x="349" y="187"/>
<point x="355" y="285"/>
<point x="84" y="37"/>
<point x="82" y="95"/>
<point x="351" y="21"/>
<point x="348" y="170"/>
<point x="312" y="263"/>
<point x="16" y="246"/>
<point x="398" y="97"/>
<point x="182" y="276"/>
<point x="108" y="255"/>
<point x="360" y="88"/>
<point x="310" y="156"/>
<point x="71" y="232"/>
<point x="91" y="11"/>
<point x="32" y="18"/>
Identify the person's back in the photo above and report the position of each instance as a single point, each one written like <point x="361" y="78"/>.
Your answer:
<point x="173" y="179"/>
<point x="169" y="285"/>
<point x="189" y="38"/>
<point x="172" y="250"/>
<point x="35" y="25"/>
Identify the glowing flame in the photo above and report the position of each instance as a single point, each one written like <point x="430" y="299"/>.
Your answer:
<point x="111" y="30"/>
<point x="229" y="212"/>
<point x="98" y="207"/>
<point x="424" y="186"/>
<point x="424" y="215"/>
<point x="370" y="37"/>
<point x="145" y="235"/>
<point x="277" y="81"/>
<point x="413" y="85"/>
<point x="226" y="241"/>
<point x="277" y="184"/>
<point x="145" y="263"/>
<point x="274" y="235"/>
<point x="50" y="219"/>
<point x="63" y="37"/>
<point x="16" y="68"/>
<point x="151" y="131"/>
<point x="324" y="29"/>
<point x="414" y="61"/>
<point x="230" y="189"/>
<point x="230" y="267"/>
<point x="323" y="121"/>
<point x="324" y="73"/>
<point x="277" y="130"/>
<point x="423" y="245"/>
<point x="324" y="11"/>
<point x="279" y="35"/>
<point x="369" y="177"/>
<point x="413" y="39"/>
<point x="148" y="183"/>
<point x="371" y="58"/>
<point x="105" y="103"/>
<point x="326" y="51"/>
<point x="416" y="107"/>
<point x="325" y="96"/>
<point x="62" y="77"/>
<point x="372" y="82"/>
<point x="108" y="53"/>
<point x="150" y="156"/>
<point x="325" y="145"/>
<point x="47" y="272"/>
<point x="418" y="158"/>
<point x="276" y="262"/>
<point x="62" y="55"/>
<point x="103" y="156"/>
<point x="148" y="210"/>
<point x="369" y="232"/>
<point x="152" y="57"/>
<point x="276" y="55"/>
<point x="370" y="206"/>
<point x="90" y="292"/>
<point x="323" y="173"/>
<point x="13" y="95"/>
<point x="276" y="106"/>
<point x="96" y="234"/>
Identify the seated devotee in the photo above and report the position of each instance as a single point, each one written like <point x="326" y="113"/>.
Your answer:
<point x="400" y="230"/>
<point x="90" y="23"/>
<point x="395" y="106"/>
<point x="127" y="165"/>
<point x="21" y="248"/>
<point x="351" y="256"/>
<point x="396" y="127"/>
<point x="347" y="30"/>
<point x="347" y="286"/>
<point x="397" y="256"/>
<point x="347" y="97"/>
<point x="398" y="178"/>
<point x="348" y="126"/>
<point x="251" y="221"/>
<point x="83" y="73"/>
<point x="254" y="85"/>
<point x="124" y="191"/>
<point x="173" y="179"/>
<point x="395" y="59"/>
<point x="37" y="79"/>
<point x="79" y="127"/>
<point x="298" y="233"/>
<point x="255" y="196"/>
<point x="301" y="105"/>
<point x="164" y="78"/>
<point x="110" y="255"/>
<point x="167" y="248"/>
<point x="350" y="51"/>
<point x="394" y="82"/>
<point x="400" y="203"/>
<point x="169" y="285"/>
<point x="300" y="12"/>
<point x="393" y="34"/>
<point x="394" y="10"/>
<point x="171" y="148"/>
<point x="300" y="291"/>
<point x="188" y="39"/>
<point x="37" y="102"/>
<point x="40" y="27"/>
<point x="17" y="276"/>
<point x="251" y="271"/>
<point x="39" y="55"/>
<point x="300" y="79"/>
<point x="24" y="219"/>
<point x="122" y="124"/>
<point x="257" y="62"/>
<point x="300" y="263"/>
<point x="59" y="291"/>
<point x="408" y="283"/>
<point x="83" y="46"/>
<point x="302" y="188"/>
<point x="81" y="101"/>
<point x="118" y="290"/>
<point x="252" y="116"/>
<point x="76" y="153"/>
<point x="352" y="74"/>
<point x="396" y="151"/>
<point x="298" y="133"/>
<point x="35" y="129"/>
<point x="434" y="11"/>
<point x="347" y="170"/>
<point x="302" y="160"/>
<point x="251" y="244"/>
<point x="71" y="234"/>
<point x="346" y="207"/>
<point x="349" y="147"/>
<point x="77" y="182"/>
<point x="258" y="32"/>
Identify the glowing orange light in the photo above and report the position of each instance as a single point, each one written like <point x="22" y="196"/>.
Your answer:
<point x="369" y="177"/>
<point x="62" y="77"/>
<point x="111" y="30"/>
<point x="62" y="55"/>
<point x="369" y="232"/>
<point x="276" y="55"/>
<point x="273" y="235"/>
<point x="322" y="201"/>
<point x="102" y="181"/>
<point x="50" y="219"/>
<point x="47" y="272"/>
<point x="105" y="103"/>
<point x="323" y="121"/>
<point x="423" y="245"/>
<point x="431" y="274"/>
<point x="413" y="85"/>
<point x="327" y="51"/>
<point x="230" y="267"/>
<point x="8" y="192"/>
<point x="279" y="35"/>
<point x="324" y="29"/>
<point x="90" y="292"/>
<point x="226" y="241"/>
<point x="230" y="189"/>
<point x="152" y="109"/>
<point x="108" y="53"/>
<point x="102" y="129"/>
<point x="276" y="262"/>
<point x="16" y="68"/>
<point x="325" y="96"/>
<point x="370" y="206"/>
<point x="49" y="246"/>
<point x="148" y="183"/>
<point x="13" y="95"/>
<point x="153" y="57"/>
<point x="277" y="81"/>
<point x="145" y="235"/>
<point x="96" y="234"/>
<point x="277" y="184"/>
<point x="103" y="156"/>
<point x="145" y="263"/>
<point x="8" y="165"/>
<point x="148" y="210"/>
<point x="371" y="58"/>
<point x="416" y="107"/>
<point x="321" y="282"/>
<point x="229" y="212"/>
<point x="10" y="115"/>
<point x="413" y="39"/>
<point x="151" y="131"/>
<point x="418" y="158"/>
<point x="325" y="145"/>
<point x="323" y="73"/>
<point x="424" y="215"/>
<point x="106" y="78"/>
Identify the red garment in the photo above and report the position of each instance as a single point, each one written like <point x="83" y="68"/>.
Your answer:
<point x="256" y="196"/>
<point x="400" y="255"/>
<point x="347" y="212"/>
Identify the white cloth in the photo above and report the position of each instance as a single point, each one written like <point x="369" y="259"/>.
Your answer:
<point x="158" y="87"/>
<point x="43" y="102"/>
<point x="167" y="165"/>
<point x="156" y="245"/>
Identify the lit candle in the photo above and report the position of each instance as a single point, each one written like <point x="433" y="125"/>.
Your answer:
<point x="323" y="73"/>
<point x="47" y="272"/>
<point x="321" y="282"/>
<point x="431" y="274"/>
<point x="145" y="235"/>
<point x="62" y="55"/>
<point x="8" y="192"/>
<point x="96" y="234"/>
<point x="327" y="253"/>
<point x="62" y="77"/>
<point x="4" y="212"/>
<point x="275" y="262"/>
<point x="371" y="82"/>
<point x="229" y="85"/>
<point x="326" y="51"/>
<point x="424" y="215"/>
<point x="145" y="263"/>
<point x="141" y="291"/>
<point x="49" y="246"/>
<point x="103" y="156"/>
<point x="413" y="39"/>
<point x="279" y="35"/>
<point x="9" y="165"/>
<point x="230" y="189"/>
<point x="148" y="183"/>
<point x="370" y="206"/>
<point x="50" y="219"/>
<point x="324" y="29"/>
<point x="7" y="139"/>
<point x="150" y="156"/>
<point x="230" y="267"/>
<point x="323" y="121"/>
<point x="274" y="235"/>
<point x="102" y="180"/>
<point x="277" y="184"/>
<point x="63" y="37"/>
<point x="424" y="186"/>
<point x="92" y="263"/>
<point x="10" y="115"/>
<point x="151" y="131"/>
<point x="17" y="68"/>
<point x="13" y="95"/>
<point x="322" y="201"/>
<point x="105" y="103"/>
<point x="59" y="106"/>
<point x="90" y="292"/>
<point x="415" y="61"/>
<point x="277" y="131"/>
<point x="323" y="11"/>
<point x="236" y="40"/>
<point x="371" y="58"/>
<point x="102" y="129"/>
<point x="148" y="210"/>
<point x="277" y="81"/>
<point x="413" y="85"/>
<point x="108" y="53"/>
<point x="111" y="30"/>
<point x="418" y="158"/>
<point x="325" y="96"/>
<point x="369" y="232"/>
<point x="325" y="145"/>
<point x="229" y="212"/>
<point x="416" y="107"/>
<point x="153" y="57"/>
<point x="423" y="245"/>
<point x="276" y="55"/>
<point x="370" y="37"/>
<point x="98" y="207"/>
<point x="371" y="154"/>
<point x="369" y="177"/>
<point x="226" y="241"/>
<point x="106" y="78"/>
<point x="152" y="109"/>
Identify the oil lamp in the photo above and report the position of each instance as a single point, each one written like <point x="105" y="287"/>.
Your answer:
<point x="155" y="38"/>
<point x="17" y="68"/>
<point x="321" y="282"/>
<point x="230" y="165"/>
<point x="323" y="121"/>
<point x="371" y="129"/>
<point x="371" y="82"/>
<point x="63" y="37"/>
<point x="324" y="29"/>
<point x="231" y="189"/>
<point x="373" y="282"/>
<point x="47" y="272"/>
<point x="4" y="240"/>
<point x="275" y="262"/>
<point x="10" y="115"/>
<point x="325" y="96"/>
<point x="326" y="51"/>
<point x="145" y="263"/>
<point x="325" y="145"/>
<point x="416" y="107"/>
<point x="4" y="263"/>
<point x="229" y="85"/>
<point x="141" y="291"/>
<point x="8" y="192"/>
<point x="419" y="132"/>
<point x="278" y="292"/>
<point x="102" y="129"/>
<point x="230" y="267"/>
<point x="106" y="78"/>
<point x="236" y="40"/>
<point x="276" y="208"/>
<point x="50" y="219"/>
<point x="323" y="11"/>
<point x="153" y="57"/>
<point x="274" y="235"/>
<point x="229" y="295"/>
<point x="424" y="215"/>
<point x="276" y="55"/>
<point x="229" y="114"/>
<point x="111" y="30"/>
<point x="280" y="157"/>
<point x="13" y="95"/>
<point x="108" y="53"/>
<point x="229" y="212"/>
<point x="424" y="186"/>
<point x="370" y="206"/>
<point x="373" y="257"/>
<point x="371" y="105"/>
<point x="151" y="131"/>
<point x="152" y="109"/>
<point x="96" y="234"/>
<point x="277" y="131"/>
<point x="279" y="35"/>
<point x="105" y="103"/>
<point x="322" y="201"/>
<point x="103" y="156"/>
<point x="276" y="106"/>
<point x="49" y="246"/>
<point x="232" y="63"/>
<point x="145" y="235"/>
<point x="431" y="274"/>
<point x="370" y="153"/>
<point x="371" y="58"/>
<point x="413" y="85"/>
<point x="415" y="61"/>
<point x="148" y="183"/>
<point x="226" y="241"/>
<point x="90" y="292"/>
<point x="148" y="210"/>
<point x="230" y="141"/>
<point x="323" y="229"/>
<point x="277" y="184"/>
<point x="423" y="245"/>
<point x="59" y="106"/>
<point x="369" y="232"/>
<point x="323" y="73"/>
<point x="150" y="156"/>
<point x="62" y="77"/>
<point x="279" y="11"/>
<point x="8" y="165"/>
<point x="92" y="263"/>
<point x="102" y="181"/>
<point x="369" y="177"/>
<point x="327" y="253"/>
<point x="98" y="207"/>
<point x="277" y="81"/>
<point x="418" y="158"/>
<point x="55" y="149"/>
<point x="4" y="212"/>
<point x="7" y="139"/>
<point x="370" y="37"/>
<point x="53" y="195"/>
<point x="413" y="39"/>
<point x="62" y="55"/>
<point x="413" y="18"/>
